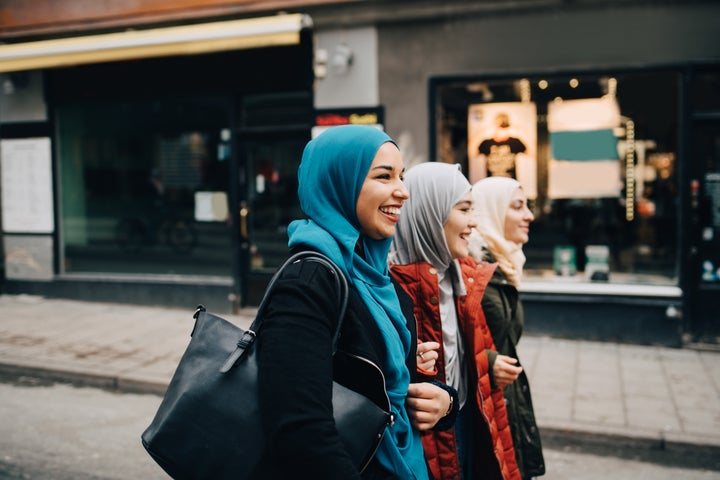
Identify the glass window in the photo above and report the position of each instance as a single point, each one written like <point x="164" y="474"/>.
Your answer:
<point x="143" y="186"/>
<point x="596" y="154"/>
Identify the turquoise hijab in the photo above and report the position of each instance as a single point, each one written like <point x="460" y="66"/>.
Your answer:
<point x="332" y="171"/>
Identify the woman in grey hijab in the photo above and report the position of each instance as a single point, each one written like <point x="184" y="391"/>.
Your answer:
<point x="430" y="259"/>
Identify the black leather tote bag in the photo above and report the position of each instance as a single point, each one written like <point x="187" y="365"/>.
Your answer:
<point x="208" y="423"/>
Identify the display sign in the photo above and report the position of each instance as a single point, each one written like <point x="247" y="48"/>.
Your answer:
<point x="584" y="160"/>
<point x="27" y="192"/>
<point x="564" y="260"/>
<point x="324" y="119"/>
<point x="502" y="141"/>
<point x="597" y="264"/>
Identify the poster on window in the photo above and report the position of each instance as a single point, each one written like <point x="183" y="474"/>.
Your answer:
<point x="27" y="201"/>
<point x="584" y="161"/>
<point x="502" y="141"/>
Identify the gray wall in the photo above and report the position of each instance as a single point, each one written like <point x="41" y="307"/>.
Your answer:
<point x="22" y="98"/>
<point x="561" y="39"/>
<point x="356" y="86"/>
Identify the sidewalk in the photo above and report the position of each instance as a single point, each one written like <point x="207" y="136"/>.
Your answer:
<point x="596" y="391"/>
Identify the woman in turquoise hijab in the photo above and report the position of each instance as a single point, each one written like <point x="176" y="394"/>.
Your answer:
<point x="351" y="189"/>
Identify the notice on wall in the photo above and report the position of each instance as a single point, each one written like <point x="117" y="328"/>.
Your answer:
<point x="27" y="198"/>
<point x="211" y="206"/>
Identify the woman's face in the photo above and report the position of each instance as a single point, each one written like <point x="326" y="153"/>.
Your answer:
<point x="458" y="227"/>
<point x="382" y="194"/>
<point x="518" y="218"/>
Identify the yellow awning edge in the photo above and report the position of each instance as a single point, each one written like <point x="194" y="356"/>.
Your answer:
<point x="202" y="38"/>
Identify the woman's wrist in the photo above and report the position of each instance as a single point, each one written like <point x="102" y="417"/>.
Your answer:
<point x="450" y="406"/>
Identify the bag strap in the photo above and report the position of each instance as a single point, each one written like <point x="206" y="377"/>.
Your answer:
<point x="249" y="335"/>
<point x="340" y="284"/>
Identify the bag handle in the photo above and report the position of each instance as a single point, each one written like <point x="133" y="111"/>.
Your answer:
<point x="249" y="335"/>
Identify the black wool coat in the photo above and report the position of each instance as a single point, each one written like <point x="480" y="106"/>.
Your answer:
<point x="296" y="372"/>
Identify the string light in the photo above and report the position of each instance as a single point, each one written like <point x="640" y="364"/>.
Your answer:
<point x="630" y="171"/>
<point x="525" y="90"/>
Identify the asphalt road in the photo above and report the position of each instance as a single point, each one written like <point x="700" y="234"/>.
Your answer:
<point x="61" y="432"/>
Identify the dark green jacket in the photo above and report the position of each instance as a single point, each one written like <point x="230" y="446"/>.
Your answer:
<point x="504" y="315"/>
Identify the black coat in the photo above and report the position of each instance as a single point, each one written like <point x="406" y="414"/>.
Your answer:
<point x="504" y="315"/>
<point x="296" y="373"/>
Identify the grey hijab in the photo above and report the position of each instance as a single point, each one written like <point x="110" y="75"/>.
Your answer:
<point x="435" y="188"/>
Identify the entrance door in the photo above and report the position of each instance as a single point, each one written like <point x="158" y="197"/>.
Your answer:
<point x="269" y="161"/>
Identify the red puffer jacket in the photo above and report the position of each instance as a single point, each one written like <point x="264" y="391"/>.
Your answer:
<point x="494" y="454"/>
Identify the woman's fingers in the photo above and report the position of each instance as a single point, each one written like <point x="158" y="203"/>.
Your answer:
<point x="427" y="355"/>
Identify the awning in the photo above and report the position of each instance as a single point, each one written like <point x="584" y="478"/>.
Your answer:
<point x="158" y="42"/>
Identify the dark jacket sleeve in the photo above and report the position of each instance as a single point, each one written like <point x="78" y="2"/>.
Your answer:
<point x="295" y="378"/>
<point x="448" y="421"/>
<point x="497" y="314"/>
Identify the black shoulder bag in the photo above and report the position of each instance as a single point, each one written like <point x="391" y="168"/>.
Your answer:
<point x="208" y="425"/>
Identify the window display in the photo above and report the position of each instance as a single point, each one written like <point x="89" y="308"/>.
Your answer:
<point x="595" y="153"/>
<point x="502" y="139"/>
<point x="584" y="160"/>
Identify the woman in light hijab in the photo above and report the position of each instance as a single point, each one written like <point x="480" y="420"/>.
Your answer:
<point x="430" y="259"/>
<point x="503" y="222"/>
<point x="351" y="189"/>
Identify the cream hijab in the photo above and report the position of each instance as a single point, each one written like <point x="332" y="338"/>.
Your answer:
<point x="491" y="197"/>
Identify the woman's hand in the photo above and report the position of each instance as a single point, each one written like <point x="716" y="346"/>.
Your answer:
<point x="427" y="355"/>
<point x="504" y="371"/>
<point x="426" y="404"/>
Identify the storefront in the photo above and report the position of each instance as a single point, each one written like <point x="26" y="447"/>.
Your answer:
<point x="614" y="107"/>
<point x="134" y="169"/>
<point x="612" y="112"/>
<point x="624" y="234"/>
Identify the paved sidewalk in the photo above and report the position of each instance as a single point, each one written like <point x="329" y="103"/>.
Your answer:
<point x="662" y="397"/>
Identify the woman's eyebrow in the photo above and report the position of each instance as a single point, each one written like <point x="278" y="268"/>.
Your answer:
<point x="385" y="167"/>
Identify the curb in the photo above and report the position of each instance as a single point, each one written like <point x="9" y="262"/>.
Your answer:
<point x="80" y="378"/>
<point x="664" y="448"/>
<point x="673" y="453"/>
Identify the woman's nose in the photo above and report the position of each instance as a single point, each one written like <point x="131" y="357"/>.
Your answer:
<point x="402" y="192"/>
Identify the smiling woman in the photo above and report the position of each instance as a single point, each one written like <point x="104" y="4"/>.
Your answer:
<point x="430" y="260"/>
<point x="351" y="191"/>
<point x="503" y="220"/>
<point x="382" y="194"/>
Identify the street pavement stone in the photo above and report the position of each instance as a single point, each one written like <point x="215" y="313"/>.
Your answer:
<point x="658" y="395"/>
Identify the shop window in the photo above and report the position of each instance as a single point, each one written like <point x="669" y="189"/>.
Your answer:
<point x="143" y="186"/>
<point x="597" y="156"/>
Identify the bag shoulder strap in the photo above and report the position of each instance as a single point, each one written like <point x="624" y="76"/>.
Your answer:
<point x="249" y="335"/>
<point x="342" y="289"/>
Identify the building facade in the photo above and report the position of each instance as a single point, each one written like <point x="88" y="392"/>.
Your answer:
<point x="152" y="173"/>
